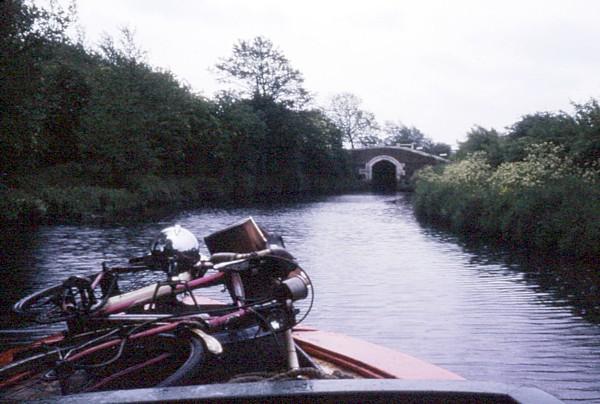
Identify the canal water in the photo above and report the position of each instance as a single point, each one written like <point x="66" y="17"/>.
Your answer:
<point x="484" y="313"/>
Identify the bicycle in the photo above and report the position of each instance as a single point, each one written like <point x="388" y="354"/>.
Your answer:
<point x="165" y="351"/>
<point x="96" y="296"/>
<point x="263" y="286"/>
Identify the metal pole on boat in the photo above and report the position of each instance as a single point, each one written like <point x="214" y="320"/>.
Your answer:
<point x="291" y="351"/>
<point x="291" y="346"/>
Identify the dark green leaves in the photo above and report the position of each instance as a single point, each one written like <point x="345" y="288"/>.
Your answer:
<point x="263" y="72"/>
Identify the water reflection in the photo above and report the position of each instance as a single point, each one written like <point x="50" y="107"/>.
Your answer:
<point x="557" y="280"/>
<point x="480" y="311"/>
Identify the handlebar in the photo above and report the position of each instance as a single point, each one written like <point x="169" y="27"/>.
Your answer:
<point x="146" y="262"/>
<point x="222" y="260"/>
<point x="230" y="256"/>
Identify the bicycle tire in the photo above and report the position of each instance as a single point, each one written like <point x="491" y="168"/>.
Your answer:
<point x="48" y="305"/>
<point x="192" y="365"/>
<point x="188" y="357"/>
<point x="40" y="308"/>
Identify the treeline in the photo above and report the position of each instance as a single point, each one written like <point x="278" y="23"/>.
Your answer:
<point x="360" y="128"/>
<point x="95" y="132"/>
<point x="536" y="186"/>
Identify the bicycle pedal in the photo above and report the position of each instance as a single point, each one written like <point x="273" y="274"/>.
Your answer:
<point x="212" y="344"/>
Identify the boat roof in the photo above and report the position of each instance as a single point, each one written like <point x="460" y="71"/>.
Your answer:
<point x="339" y="391"/>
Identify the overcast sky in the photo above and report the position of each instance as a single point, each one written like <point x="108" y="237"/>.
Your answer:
<point x="442" y="66"/>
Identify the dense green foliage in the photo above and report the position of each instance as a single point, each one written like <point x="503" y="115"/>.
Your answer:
<point x="95" y="132"/>
<point x="538" y="186"/>
<point x="263" y="72"/>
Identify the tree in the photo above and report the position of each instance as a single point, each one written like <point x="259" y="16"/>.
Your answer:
<point x="356" y="125"/>
<point x="586" y="143"/>
<point x="141" y="119"/>
<point x="126" y="53"/>
<point x="400" y="134"/>
<point x="67" y="93"/>
<point x="28" y="35"/>
<point x="263" y="72"/>
<point x="486" y="140"/>
<point x="237" y="152"/>
<point x="397" y="133"/>
<point x="441" y="149"/>
<point x="371" y="139"/>
<point x="558" y="128"/>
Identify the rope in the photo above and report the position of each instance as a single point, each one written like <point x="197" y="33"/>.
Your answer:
<point x="294" y="374"/>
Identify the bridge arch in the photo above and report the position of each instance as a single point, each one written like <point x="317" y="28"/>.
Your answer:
<point x="368" y="170"/>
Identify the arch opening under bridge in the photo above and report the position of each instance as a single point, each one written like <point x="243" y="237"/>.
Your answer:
<point x="384" y="176"/>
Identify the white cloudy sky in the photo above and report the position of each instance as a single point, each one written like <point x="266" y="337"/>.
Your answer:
<point x="442" y="66"/>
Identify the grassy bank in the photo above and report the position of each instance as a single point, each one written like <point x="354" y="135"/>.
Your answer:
<point x="544" y="202"/>
<point x="38" y="199"/>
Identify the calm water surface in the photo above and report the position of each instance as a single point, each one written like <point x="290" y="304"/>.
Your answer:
<point x="378" y="275"/>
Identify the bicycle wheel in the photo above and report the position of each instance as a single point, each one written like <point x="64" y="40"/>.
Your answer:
<point x="58" y="303"/>
<point x="158" y="361"/>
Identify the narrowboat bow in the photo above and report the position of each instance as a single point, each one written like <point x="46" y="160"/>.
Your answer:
<point x="360" y="372"/>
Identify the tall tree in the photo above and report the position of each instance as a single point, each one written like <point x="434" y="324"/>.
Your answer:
<point x="356" y="124"/>
<point x="28" y="34"/>
<point x="263" y="72"/>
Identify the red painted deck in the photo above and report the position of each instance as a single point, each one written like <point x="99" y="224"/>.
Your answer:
<point x="359" y="356"/>
<point x="367" y="359"/>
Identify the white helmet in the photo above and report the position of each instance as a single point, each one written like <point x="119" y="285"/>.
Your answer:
<point x="178" y="243"/>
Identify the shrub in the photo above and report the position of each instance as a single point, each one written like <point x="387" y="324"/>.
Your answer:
<point x="156" y="191"/>
<point x="17" y="206"/>
<point x="544" y="202"/>
<point x="85" y="202"/>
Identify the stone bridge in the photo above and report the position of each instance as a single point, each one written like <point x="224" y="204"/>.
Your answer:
<point x="386" y="166"/>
